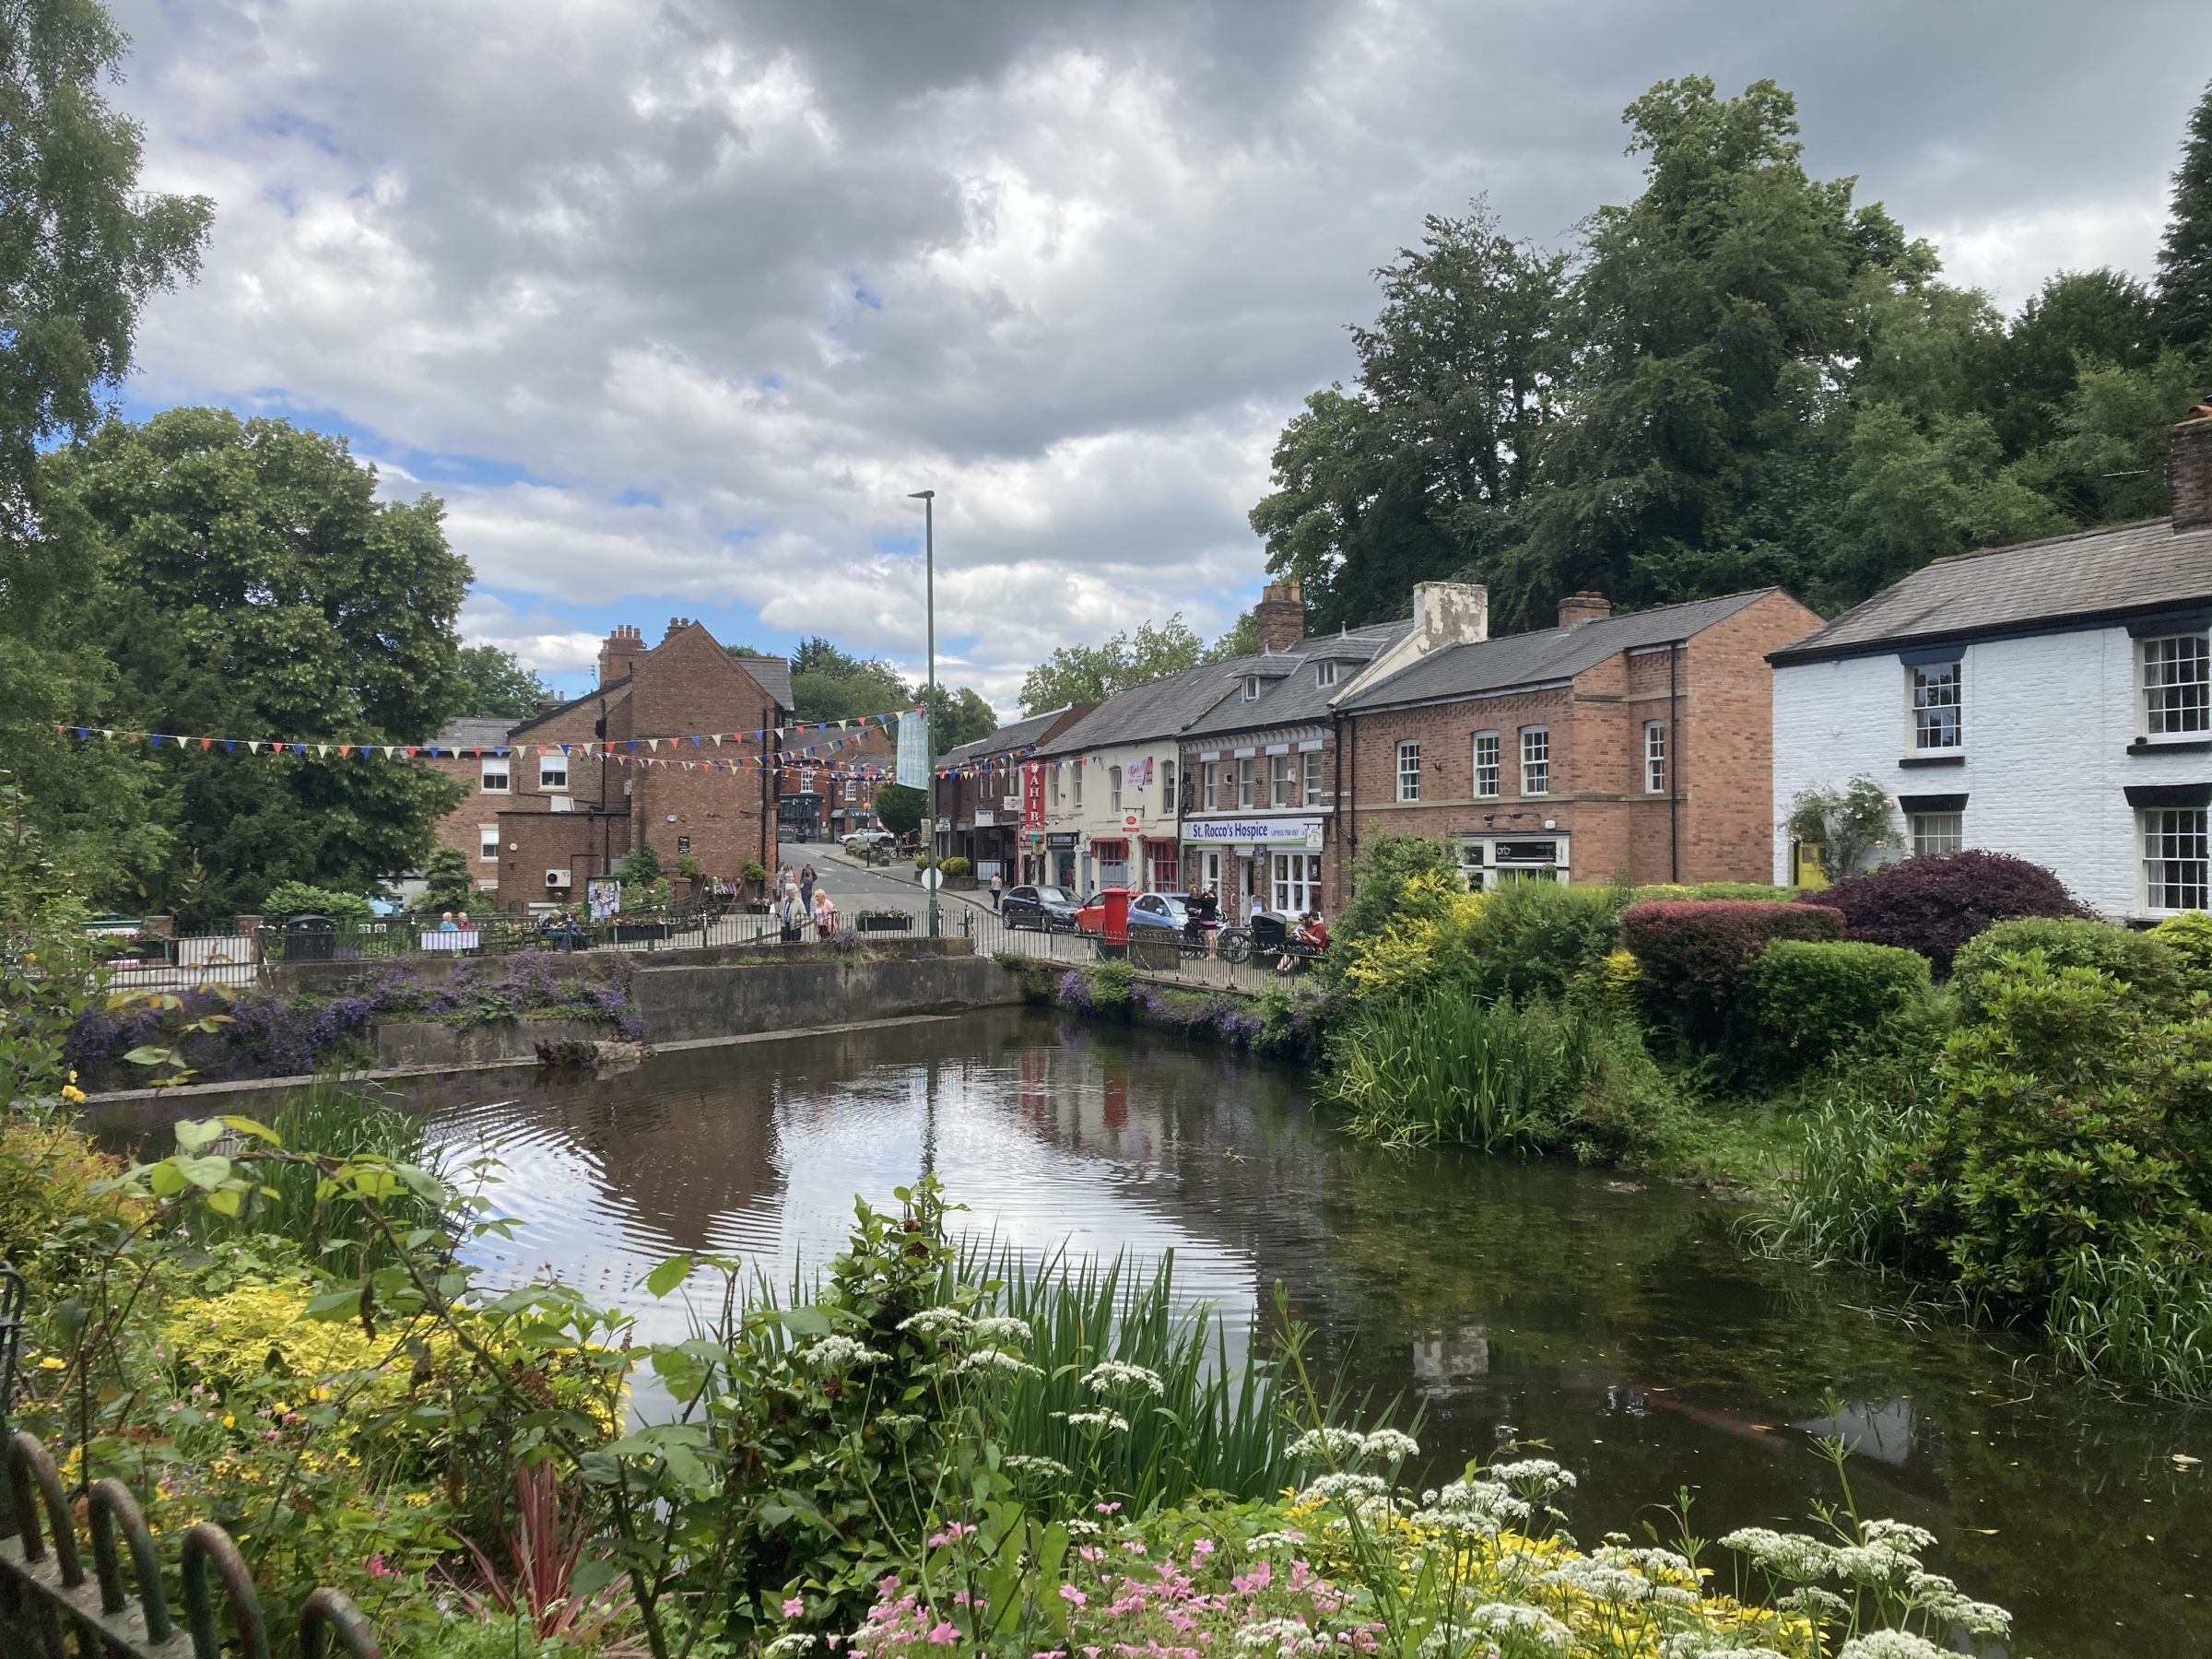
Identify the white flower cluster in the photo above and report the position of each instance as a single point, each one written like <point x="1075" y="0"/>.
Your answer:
<point x="1480" y="1506"/>
<point x="837" y="1354"/>
<point x="1942" y="1600"/>
<point x="1892" y="1644"/>
<point x="1024" y="1462"/>
<point x="1326" y="1488"/>
<point x="1532" y="1626"/>
<point x="1789" y="1556"/>
<point x="1703" y="1644"/>
<point x="1600" y="1581"/>
<point x="1113" y="1421"/>
<point x="1284" y="1636"/>
<point x="1001" y="1329"/>
<point x="1535" y="1478"/>
<point x="1348" y="1445"/>
<point x="1888" y="1556"/>
<point x="996" y="1361"/>
<point x="1388" y="1446"/>
<point x="939" y="1322"/>
<point x="1110" y="1374"/>
<point x="790" y="1641"/>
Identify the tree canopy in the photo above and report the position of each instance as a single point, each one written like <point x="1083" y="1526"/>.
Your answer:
<point x="494" y="685"/>
<point x="82" y="249"/>
<point x="1741" y="376"/>
<point x="1092" y="673"/>
<point x="830" y="683"/>
<point x="254" y="587"/>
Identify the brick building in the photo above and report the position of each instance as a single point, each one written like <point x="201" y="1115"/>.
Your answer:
<point x="1260" y="776"/>
<point x="830" y="773"/>
<point x="667" y="748"/>
<point x="1639" y="747"/>
<point x="980" y="793"/>
<point x="473" y="752"/>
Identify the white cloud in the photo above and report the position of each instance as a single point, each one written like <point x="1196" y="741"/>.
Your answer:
<point x="1070" y="266"/>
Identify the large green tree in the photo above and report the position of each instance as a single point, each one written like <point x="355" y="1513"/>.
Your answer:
<point x="82" y="249"/>
<point x="1421" y="468"/>
<point x="256" y="588"/>
<point x="2185" y="260"/>
<point x="492" y="684"/>
<point x="1092" y="673"/>
<point x="956" y="717"/>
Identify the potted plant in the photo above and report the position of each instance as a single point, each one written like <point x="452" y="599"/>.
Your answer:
<point x="883" y="920"/>
<point x="755" y="877"/>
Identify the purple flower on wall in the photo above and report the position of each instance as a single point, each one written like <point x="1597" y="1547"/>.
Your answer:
<point x="1075" y="992"/>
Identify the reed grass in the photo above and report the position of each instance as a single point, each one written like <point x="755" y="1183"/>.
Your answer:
<point x="336" y="1120"/>
<point x="2142" y="1322"/>
<point x="1840" y="1207"/>
<point x="1448" y="1069"/>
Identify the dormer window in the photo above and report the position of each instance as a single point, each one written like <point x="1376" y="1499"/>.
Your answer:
<point x="1251" y="687"/>
<point x="1325" y="674"/>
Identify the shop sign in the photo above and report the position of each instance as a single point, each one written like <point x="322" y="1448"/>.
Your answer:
<point x="1061" y="840"/>
<point x="985" y="818"/>
<point x="1254" y="832"/>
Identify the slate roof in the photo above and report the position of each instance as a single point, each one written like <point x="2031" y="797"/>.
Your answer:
<point x="1159" y="707"/>
<point x="1022" y="734"/>
<point x="2095" y="576"/>
<point x="1545" y="656"/>
<point x="1295" y="699"/>
<point x="773" y="676"/>
<point x="473" y="731"/>
<point x="544" y="714"/>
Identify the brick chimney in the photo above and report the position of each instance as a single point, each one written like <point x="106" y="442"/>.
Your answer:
<point x="1279" y="618"/>
<point x="2190" y="466"/>
<point x="1584" y="606"/>
<point x="619" y="651"/>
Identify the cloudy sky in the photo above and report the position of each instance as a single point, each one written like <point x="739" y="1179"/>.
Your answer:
<point x="674" y="303"/>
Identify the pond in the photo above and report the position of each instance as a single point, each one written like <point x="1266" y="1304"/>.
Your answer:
<point x="1615" y="1321"/>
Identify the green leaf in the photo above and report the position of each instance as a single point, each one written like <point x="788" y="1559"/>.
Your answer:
<point x="336" y="1304"/>
<point x="192" y="1137"/>
<point x="145" y="1055"/>
<point x="668" y="1275"/>
<point x="209" y="1173"/>
<point x="246" y="1125"/>
<point x="224" y="1201"/>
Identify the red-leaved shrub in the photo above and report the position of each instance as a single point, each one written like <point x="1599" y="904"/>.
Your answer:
<point x="1937" y="902"/>
<point x="1695" y="953"/>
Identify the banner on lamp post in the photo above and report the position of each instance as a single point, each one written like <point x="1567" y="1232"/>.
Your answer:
<point x="913" y="750"/>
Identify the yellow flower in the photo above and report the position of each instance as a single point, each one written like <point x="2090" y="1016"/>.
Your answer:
<point x="49" y="1362"/>
<point x="418" y="1500"/>
<point x="72" y="1093"/>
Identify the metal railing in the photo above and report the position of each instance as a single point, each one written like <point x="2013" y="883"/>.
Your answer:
<point x="1173" y="957"/>
<point x="48" y="1606"/>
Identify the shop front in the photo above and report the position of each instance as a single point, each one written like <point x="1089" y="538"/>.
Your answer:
<point x="1109" y="863"/>
<point x="1270" y="863"/>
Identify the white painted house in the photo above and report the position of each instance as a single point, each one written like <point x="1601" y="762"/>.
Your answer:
<point x="2052" y="700"/>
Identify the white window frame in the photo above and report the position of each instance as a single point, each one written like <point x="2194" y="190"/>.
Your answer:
<point x="487" y="843"/>
<point x="1935" y="833"/>
<point x="1934" y="690"/>
<point x="1485" y="872"/>
<point x="1248" y="783"/>
<point x="2177" y="859"/>
<point x="1487" y="771"/>
<point x="2170" y="707"/>
<point x="1114" y="789"/>
<point x="1311" y="763"/>
<point x="1078" y="788"/>
<point x="1409" y="770"/>
<point x="1325" y="674"/>
<point x="1167" y="786"/>
<point x="1211" y="772"/>
<point x="1535" y="761"/>
<point x="553" y="773"/>
<point x="1654" y="756"/>
<point x="1282" y="781"/>
<point x="495" y="766"/>
<point x="1295" y="882"/>
<point x="1056" y="789"/>
<point x="1251" y="687"/>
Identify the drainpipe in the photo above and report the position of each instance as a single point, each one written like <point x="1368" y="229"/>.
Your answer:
<point x="1348" y="830"/>
<point x="1673" y="765"/>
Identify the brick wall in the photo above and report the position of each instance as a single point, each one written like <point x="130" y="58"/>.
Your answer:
<point x="460" y="828"/>
<point x="688" y="684"/>
<point x="1727" y="741"/>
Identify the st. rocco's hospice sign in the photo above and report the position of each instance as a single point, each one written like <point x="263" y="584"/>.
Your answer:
<point x="1253" y="832"/>
<point x="913" y="750"/>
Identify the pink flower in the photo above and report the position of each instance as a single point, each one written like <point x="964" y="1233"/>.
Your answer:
<point x="1105" y="1509"/>
<point x="795" y="1608"/>
<point x="943" y="1635"/>
<point x="378" y="1570"/>
<point x="1068" y="1593"/>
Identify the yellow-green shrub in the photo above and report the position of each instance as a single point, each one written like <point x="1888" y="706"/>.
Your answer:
<point x="48" y="1170"/>
<point x="2189" y="936"/>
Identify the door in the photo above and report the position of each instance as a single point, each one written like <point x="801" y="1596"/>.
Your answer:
<point x="1209" y="869"/>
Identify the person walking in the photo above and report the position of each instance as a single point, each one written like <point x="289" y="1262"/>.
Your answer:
<point x="825" y="916"/>
<point x="806" y="884"/>
<point x="789" y="916"/>
<point x="998" y="888"/>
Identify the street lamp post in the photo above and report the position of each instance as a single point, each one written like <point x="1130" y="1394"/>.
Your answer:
<point x="932" y="872"/>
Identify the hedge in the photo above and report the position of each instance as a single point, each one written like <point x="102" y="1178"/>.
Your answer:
<point x="1937" y="902"/>
<point x="2142" y="962"/>
<point x="1805" y="1001"/>
<point x="2189" y="936"/>
<point x="1694" y="952"/>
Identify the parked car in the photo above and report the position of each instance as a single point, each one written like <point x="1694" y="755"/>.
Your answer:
<point x="861" y="839"/>
<point x="1145" y="910"/>
<point x="1046" y="908"/>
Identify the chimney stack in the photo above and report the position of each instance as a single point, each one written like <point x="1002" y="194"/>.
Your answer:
<point x="1584" y="606"/>
<point x="619" y="651"/>
<point x="1279" y="618"/>
<point x="2190" y="467"/>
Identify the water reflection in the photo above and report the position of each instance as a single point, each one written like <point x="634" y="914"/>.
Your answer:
<point x="1620" y="1325"/>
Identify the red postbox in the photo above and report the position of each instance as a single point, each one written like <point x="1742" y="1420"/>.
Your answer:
<point x="1116" y="900"/>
